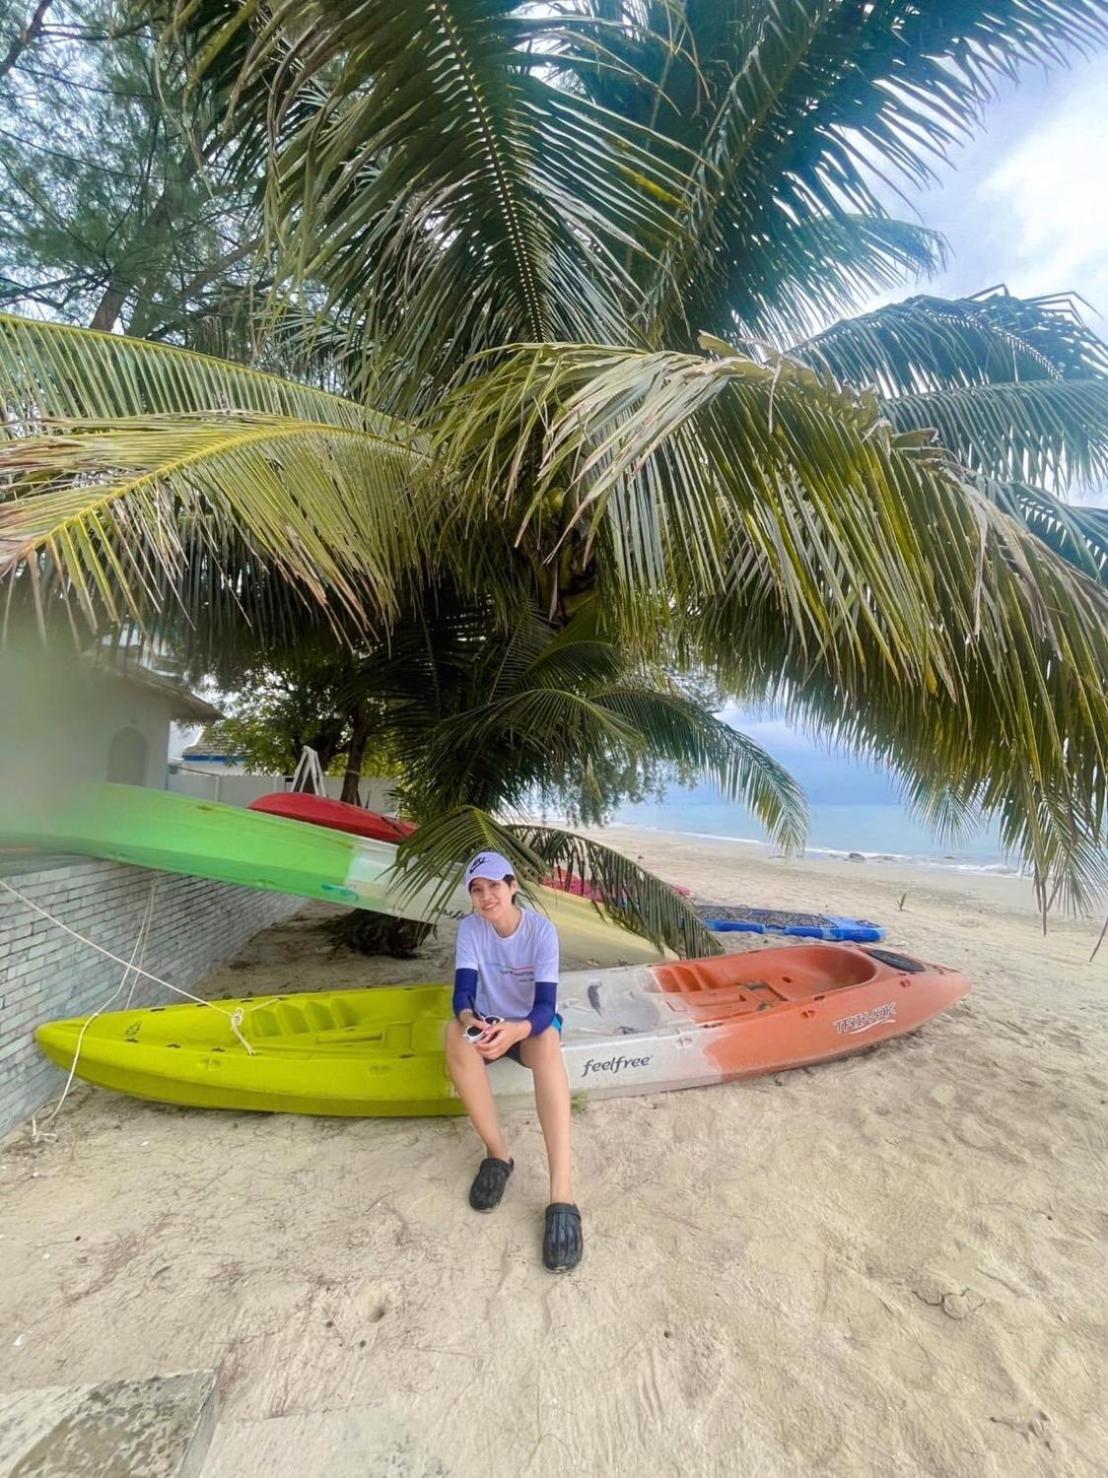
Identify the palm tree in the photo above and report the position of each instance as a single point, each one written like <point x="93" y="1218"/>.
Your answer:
<point x="497" y="719"/>
<point x="578" y="264"/>
<point x="488" y="716"/>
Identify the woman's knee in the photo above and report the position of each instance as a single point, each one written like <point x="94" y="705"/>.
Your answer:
<point x="543" y="1050"/>
<point x="455" y="1040"/>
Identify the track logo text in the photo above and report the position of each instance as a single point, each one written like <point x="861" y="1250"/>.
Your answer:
<point x="877" y="1016"/>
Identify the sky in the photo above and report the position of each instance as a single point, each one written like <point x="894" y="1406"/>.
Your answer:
<point x="1024" y="204"/>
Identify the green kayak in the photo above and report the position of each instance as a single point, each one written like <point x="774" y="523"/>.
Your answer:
<point x="230" y="844"/>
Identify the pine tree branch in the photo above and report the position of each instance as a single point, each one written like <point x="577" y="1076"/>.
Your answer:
<point x="25" y="38"/>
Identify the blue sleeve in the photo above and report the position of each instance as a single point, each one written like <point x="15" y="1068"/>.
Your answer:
<point x="542" y="1012"/>
<point x="465" y="990"/>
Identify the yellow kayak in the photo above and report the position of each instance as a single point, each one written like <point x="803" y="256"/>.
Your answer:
<point x="633" y="1029"/>
<point x="356" y="1053"/>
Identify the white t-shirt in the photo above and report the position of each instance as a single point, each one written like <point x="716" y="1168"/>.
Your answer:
<point x="507" y="968"/>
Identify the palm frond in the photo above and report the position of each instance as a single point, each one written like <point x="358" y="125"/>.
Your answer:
<point x="1053" y="433"/>
<point x="510" y="717"/>
<point x="1018" y="740"/>
<point x="798" y="107"/>
<point x="682" y="732"/>
<point x="797" y="536"/>
<point x="536" y="737"/>
<point x="1016" y="389"/>
<point x="427" y="167"/>
<point x="145" y="483"/>
<point x="52" y="371"/>
<point x="671" y="461"/>
<point x="924" y="345"/>
<point x="1078" y="534"/>
<point x="146" y="520"/>
<point x="631" y="895"/>
<point x="809" y="271"/>
<point x="432" y="857"/>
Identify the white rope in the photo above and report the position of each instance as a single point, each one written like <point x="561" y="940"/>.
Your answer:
<point x="234" y="1018"/>
<point x="36" y="1132"/>
<point x="140" y="943"/>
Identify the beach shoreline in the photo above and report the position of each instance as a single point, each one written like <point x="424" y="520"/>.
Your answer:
<point x="893" y="1263"/>
<point x="941" y="862"/>
<point x="878" y="886"/>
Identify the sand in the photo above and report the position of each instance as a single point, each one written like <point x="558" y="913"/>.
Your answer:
<point x="891" y="1265"/>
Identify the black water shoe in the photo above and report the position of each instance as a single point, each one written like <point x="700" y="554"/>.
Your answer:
<point x="562" y="1243"/>
<point x="487" y="1190"/>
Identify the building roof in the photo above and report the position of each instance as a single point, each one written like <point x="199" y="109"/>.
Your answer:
<point x="209" y="747"/>
<point x="186" y="706"/>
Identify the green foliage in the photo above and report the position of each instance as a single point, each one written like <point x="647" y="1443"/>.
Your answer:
<point x="517" y="224"/>
<point x="277" y="711"/>
<point x="501" y="718"/>
<point x="206" y="493"/>
<point x="120" y="214"/>
<point x="429" y="166"/>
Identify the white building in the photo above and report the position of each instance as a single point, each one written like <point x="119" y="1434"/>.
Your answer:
<point x="88" y="719"/>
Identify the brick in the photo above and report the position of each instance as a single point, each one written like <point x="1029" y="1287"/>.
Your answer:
<point x="196" y="925"/>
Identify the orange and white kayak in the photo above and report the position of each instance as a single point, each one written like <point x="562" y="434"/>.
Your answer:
<point x="631" y="1029"/>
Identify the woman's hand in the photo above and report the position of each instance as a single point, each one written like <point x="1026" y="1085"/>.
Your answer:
<point x="497" y="1039"/>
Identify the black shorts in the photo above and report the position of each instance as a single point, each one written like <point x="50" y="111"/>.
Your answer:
<point x="514" y="1052"/>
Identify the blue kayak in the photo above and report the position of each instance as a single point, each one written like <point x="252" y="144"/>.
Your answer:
<point x="735" y="919"/>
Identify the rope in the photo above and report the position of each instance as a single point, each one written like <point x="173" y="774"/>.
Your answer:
<point x="234" y="1018"/>
<point x="140" y="943"/>
<point x="37" y="1133"/>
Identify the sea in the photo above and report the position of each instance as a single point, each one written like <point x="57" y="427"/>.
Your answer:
<point x="854" y="806"/>
<point x="878" y="832"/>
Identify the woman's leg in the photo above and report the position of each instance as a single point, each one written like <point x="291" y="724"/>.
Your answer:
<point x="543" y="1055"/>
<point x="471" y="1078"/>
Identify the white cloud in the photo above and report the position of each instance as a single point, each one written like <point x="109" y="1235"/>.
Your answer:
<point x="1049" y="188"/>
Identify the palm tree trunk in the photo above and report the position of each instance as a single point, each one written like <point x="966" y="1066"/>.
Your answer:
<point x="359" y="739"/>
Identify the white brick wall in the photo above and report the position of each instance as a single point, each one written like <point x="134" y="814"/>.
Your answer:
<point x="45" y="973"/>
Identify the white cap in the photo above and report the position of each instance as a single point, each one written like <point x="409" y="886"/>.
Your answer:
<point x="491" y="865"/>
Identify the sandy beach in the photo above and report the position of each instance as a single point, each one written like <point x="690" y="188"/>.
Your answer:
<point x="891" y="1265"/>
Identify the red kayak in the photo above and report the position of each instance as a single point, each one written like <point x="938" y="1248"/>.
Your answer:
<point x="298" y="805"/>
<point x="576" y="884"/>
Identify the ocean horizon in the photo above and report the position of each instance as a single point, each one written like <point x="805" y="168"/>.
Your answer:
<point x="878" y="831"/>
<point x="854" y="805"/>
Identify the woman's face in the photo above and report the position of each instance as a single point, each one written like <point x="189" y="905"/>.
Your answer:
<point x="492" y="900"/>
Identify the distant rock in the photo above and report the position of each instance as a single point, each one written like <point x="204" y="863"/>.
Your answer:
<point x="855" y="857"/>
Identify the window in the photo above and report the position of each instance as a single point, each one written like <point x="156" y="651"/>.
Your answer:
<point x="127" y="757"/>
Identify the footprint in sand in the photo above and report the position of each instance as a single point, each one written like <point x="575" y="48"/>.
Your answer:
<point x="956" y="1303"/>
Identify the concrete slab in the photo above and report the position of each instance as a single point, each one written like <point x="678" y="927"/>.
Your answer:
<point x="379" y="1442"/>
<point x="155" y="1428"/>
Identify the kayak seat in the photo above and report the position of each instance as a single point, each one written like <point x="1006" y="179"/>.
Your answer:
<point x="732" y="984"/>
<point x="283" y="1019"/>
